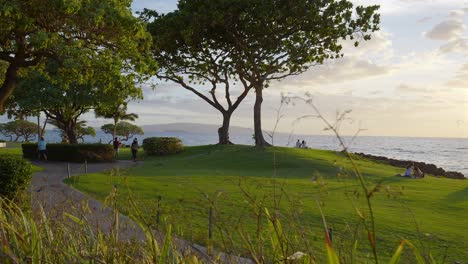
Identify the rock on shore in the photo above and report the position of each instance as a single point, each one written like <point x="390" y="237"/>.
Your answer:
<point x="425" y="167"/>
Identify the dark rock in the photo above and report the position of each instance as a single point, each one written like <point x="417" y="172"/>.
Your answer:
<point x="454" y="175"/>
<point x="424" y="167"/>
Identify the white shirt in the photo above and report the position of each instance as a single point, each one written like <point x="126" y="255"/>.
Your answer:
<point x="408" y="172"/>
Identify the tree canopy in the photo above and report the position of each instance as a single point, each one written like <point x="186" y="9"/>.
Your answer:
<point x="33" y="30"/>
<point x="124" y="129"/>
<point x="19" y="128"/>
<point x="64" y="102"/>
<point x="272" y="39"/>
<point x="186" y="56"/>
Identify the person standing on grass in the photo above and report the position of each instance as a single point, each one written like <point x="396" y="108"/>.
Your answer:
<point x="116" y="148"/>
<point x="42" y="148"/>
<point x="134" y="148"/>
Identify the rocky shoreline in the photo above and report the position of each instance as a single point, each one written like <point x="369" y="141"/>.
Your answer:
<point x="425" y="167"/>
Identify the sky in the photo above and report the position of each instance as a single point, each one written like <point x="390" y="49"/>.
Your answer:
<point x="410" y="80"/>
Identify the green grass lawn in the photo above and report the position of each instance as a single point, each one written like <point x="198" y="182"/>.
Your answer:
<point x="11" y="151"/>
<point x="238" y="182"/>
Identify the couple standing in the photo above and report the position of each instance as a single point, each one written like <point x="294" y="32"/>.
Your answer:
<point x="134" y="147"/>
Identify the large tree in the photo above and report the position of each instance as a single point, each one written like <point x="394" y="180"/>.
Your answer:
<point x="272" y="39"/>
<point x="81" y="130"/>
<point x="124" y="129"/>
<point x="117" y="112"/>
<point x="19" y="128"/>
<point x="188" y="57"/>
<point x="65" y="98"/>
<point x="32" y="30"/>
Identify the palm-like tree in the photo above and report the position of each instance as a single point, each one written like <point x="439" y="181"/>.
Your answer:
<point x="118" y="113"/>
<point x="79" y="130"/>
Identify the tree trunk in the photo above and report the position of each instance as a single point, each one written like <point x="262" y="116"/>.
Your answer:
<point x="223" y="131"/>
<point x="38" y="126"/>
<point x="44" y="126"/>
<point x="260" y="141"/>
<point x="8" y="85"/>
<point x="70" y="131"/>
<point x="114" y="133"/>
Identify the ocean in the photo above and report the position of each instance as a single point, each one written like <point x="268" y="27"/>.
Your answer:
<point x="449" y="153"/>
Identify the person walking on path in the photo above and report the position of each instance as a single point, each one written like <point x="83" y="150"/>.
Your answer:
<point x="42" y="148"/>
<point x="116" y="148"/>
<point x="134" y="148"/>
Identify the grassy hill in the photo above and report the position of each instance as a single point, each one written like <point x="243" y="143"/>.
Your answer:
<point x="239" y="182"/>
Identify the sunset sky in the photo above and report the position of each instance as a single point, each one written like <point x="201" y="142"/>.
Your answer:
<point x="411" y="79"/>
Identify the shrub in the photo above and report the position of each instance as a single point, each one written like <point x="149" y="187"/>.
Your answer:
<point x="2" y="141"/>
<point x="29" y="150"/>
<point x="72" y="152"/>
<point x="162" y="145"/>
<point x="15" y="175"/>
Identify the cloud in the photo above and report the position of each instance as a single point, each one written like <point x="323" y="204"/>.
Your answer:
<point x="368" y="60"/>
<point x="424" y="19"/>
<point x="459" y="45"/>
<point x="405" y="88"/>
<point x="446" y="30"/>
<point x="460" y="80"/>
<point x="451" y="30"/>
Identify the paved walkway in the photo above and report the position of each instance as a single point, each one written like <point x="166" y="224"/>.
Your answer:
<point x="57" y="198"/>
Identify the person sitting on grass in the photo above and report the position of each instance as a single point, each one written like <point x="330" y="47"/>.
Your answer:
<point x="42" y="148"/>
<point x="418" y="173"/>
<point x="134" y="148"/>
<point x="408" y="171"/>
<point x="298" y="144"/>
<point x="116" y="148"/>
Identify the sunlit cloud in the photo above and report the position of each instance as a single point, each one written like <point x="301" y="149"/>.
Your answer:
<point x="461" y="78"/>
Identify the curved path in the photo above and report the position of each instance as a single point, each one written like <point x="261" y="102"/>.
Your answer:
<point x="57" y="198"/>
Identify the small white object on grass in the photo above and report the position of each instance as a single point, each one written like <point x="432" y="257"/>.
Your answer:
<point x="297" y="255"/>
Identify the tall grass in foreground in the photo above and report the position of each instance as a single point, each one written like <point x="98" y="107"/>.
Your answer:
<point x="28" y="237"/>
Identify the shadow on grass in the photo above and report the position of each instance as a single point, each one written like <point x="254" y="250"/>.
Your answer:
<point x="458" y="196"/>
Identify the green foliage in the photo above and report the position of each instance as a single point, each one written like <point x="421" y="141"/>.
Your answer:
<point x="29" y="150"/>
<point x="72" y="152"/>
<point x="191" y="59"/>
<point x="162" y="145"/>
<point x="39" y="238"/>
<point x="2" y="141"/>
<point x="19" y="128"/>
<point x="124" y="129"/>
<point x="82" y="131"/>
<point x="15" y="175"/>
<point x="63" y="101"/>
<point x="266" y="40"/>
<point x="116" y="111"/>
<point x="39" y="29"/>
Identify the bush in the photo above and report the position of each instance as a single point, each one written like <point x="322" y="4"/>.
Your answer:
<point x="15" y="175"/>
<point x="2" y="141"/>
<point x="29" y="150"/>
<point x="72" y="152"/>
<point x="162" y="145"/>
